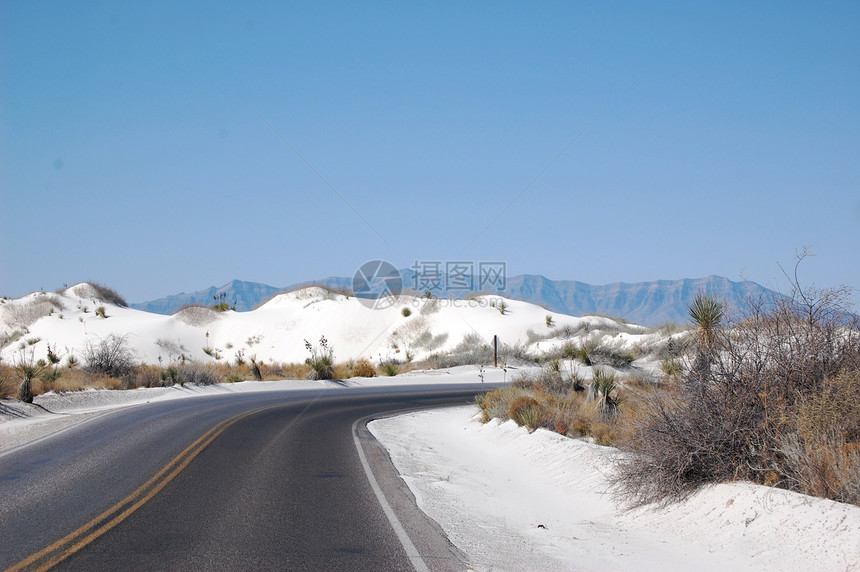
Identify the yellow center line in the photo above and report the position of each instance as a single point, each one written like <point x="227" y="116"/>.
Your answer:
<point x="68" y="545"/>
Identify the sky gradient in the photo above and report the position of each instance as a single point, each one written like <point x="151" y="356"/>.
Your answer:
<point x="159" y="148"/>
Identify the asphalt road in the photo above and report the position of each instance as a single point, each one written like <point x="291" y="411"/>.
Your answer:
<point x="266" y="481"/>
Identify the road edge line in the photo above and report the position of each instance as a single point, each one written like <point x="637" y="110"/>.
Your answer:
<point x="411" y="552"/>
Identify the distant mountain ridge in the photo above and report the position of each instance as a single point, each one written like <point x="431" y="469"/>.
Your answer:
<point x="645" y="303"/>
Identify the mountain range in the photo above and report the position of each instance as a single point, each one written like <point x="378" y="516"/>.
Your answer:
<point x="645" y="303"/>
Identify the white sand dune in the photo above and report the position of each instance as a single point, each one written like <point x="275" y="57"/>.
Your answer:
<point x="276" y="331"/>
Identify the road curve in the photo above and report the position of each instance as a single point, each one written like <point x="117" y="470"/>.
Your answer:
<point x="234" y="482"/>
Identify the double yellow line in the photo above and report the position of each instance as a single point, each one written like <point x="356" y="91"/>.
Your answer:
<point x="65" y="547"/>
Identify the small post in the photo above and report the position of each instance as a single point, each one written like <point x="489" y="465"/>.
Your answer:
<point x="495" y="351"/>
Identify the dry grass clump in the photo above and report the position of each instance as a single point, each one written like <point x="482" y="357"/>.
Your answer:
<point x="821" y="442"/>
<point x="7" y="385"/>
<point x="363" y="368"/>
<point x="563" y="403"/>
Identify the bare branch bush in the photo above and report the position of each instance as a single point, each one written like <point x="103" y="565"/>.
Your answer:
<point x="736" y="413"/>
<point x="110" y="356"/>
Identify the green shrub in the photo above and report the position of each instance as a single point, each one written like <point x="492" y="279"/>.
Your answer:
<point x="390" y="368"/>
<point x="406" y="312"/>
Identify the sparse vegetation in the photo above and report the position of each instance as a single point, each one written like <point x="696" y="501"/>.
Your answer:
<point x="28" y="369"/>
<point x="363" y="368"/>
<point x="110" y="356"/>
<point x="558" y="400"/>
<point x="101" y="312"/>
<point x="321" y="361"/>
<point x="771" y="398"/>
<point x="104" y="294"/>
<point x="390" y="368"/>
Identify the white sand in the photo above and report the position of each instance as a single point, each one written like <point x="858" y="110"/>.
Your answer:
<point x="512" y="500"/>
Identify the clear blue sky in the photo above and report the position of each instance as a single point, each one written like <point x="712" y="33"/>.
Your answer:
<point x="708" y="138"/>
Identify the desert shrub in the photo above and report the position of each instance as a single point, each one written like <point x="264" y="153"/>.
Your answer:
<point x="555" y="399"/>
<point x="110" y="356"/>
<point x="321" y="361"/>
<point x="7" y="385"/>
<point x="526" y="411"/>
<point x="49" y="378"/>
<point x="671" y="367"/>
<point x="428" y="342"/>
<point x="516" y="353"/>
<point x="496" y="403"/>
<point x="734" y="413"/>
<point x="196" y="374"/>
<point x="363" y="368"/>
<point x="472" y="350"/>
<point x="142" y="376"/>
<point x="671" y="348"/>
<point x="290" y="371"/>
<point x="582" y="352"/>
<point x="602" y="354"/>
<point x="821" y="443"/>
<point x="105" y="294"/>
<point x="390" y="368"/>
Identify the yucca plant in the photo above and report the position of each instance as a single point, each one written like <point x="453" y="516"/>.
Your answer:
<point x="27" y="368"/>
<point x="606" y="393"/>
<point x="321" y="360"/>
<point x="390" y="368"/>
<point x="707" y="313"/>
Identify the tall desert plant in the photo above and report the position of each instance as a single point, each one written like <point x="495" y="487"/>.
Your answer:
<point x="27" y="368"/>
<point x="321" y="360"/>
<point x="707" y="314"/>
